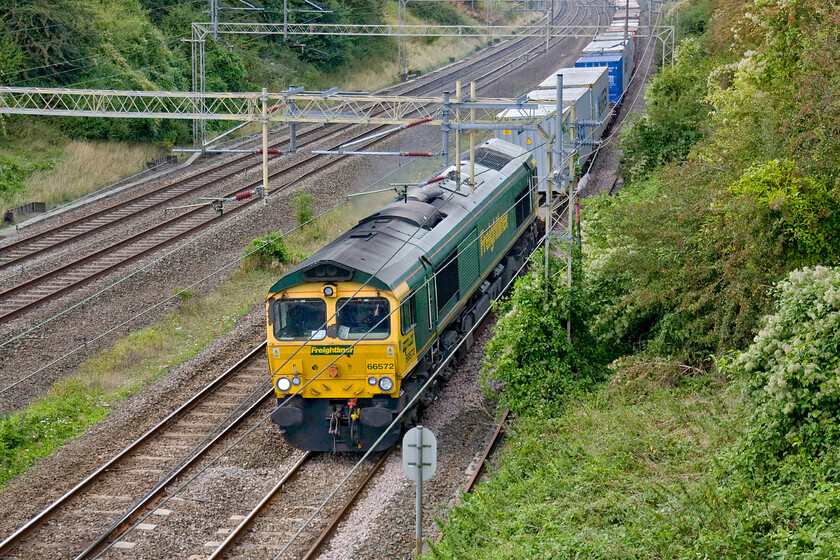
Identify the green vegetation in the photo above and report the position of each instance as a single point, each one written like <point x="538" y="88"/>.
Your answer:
<point x="676" y="115"/>
<point x="711" y="282"/>
<point x="599" y="481"/>
<point x="135" y="361"/>
<point x="137" y="45"/>
<point x="131" y="364"/>
<point x="530" y="355"/>
<point x="267" y="252"/>
<point x="304" y="204"/>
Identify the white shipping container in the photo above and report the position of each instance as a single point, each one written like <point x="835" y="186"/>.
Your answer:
<point x="576" y="103"/>
<point x="623" y="5"/>
<point x="615" y="46"/>
<point x="597" y="81"/>
<point x="621" y="15"/>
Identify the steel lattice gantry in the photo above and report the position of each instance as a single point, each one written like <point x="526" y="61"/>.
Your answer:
<point x="202" y="30"/>
<point x="284" y="107"/>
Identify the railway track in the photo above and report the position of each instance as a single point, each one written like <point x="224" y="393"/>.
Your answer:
<point x="257" y="534"/>
<point x="61" y="278"/>
<point x="121" y="506"/>
<point x="132" y="483"/>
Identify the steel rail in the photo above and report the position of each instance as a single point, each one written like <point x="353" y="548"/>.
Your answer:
<point x="120" y="526"/>
<point x="347" y="505"/>
<point x="494" y="440"/>
<point x="75" y="283"/>
<point x="12" y="540"/>
<point x="240" y="529"/>
<point x="491" y="445"/>
<point x="254" y="512"/>
<point x="121" y="207"/>
<point x="241" y="159"/>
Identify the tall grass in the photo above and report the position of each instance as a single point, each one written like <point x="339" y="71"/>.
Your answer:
<point x="610" y="478"/>
<point x="87" y="166"/>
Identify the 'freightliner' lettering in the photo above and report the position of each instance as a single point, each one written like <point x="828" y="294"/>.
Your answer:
<point x="331" y="350"/>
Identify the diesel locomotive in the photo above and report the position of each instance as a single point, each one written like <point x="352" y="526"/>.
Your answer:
<point x="356" y="329"/>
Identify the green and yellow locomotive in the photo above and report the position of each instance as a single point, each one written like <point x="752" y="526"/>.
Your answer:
<point x="355" y="330"/>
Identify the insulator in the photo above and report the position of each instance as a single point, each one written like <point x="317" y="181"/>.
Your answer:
<point x="243" y="195"/>
<point x="435" y="180"/>
<point x="417" y="154"/>
<point x="421" y="121"/>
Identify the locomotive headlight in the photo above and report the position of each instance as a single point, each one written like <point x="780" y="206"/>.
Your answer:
<point x="386" y="384"/>
<point x="329" y="291"/>
<point x="295" y="380"/>
<point x="283" y="384"/>
<point x="371" y="380"/>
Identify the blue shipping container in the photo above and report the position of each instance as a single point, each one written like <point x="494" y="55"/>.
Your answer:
<point x="615" y="67"/>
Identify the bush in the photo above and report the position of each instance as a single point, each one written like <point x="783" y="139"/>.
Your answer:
<point x="267" y="252"/>
<point x="530" y="354"/>
<point x="675" y="118"/>
<point x="793" y="368"/>
<point x="797" y="213"/>
<point x="441" y="13"/>
<point x="304" y="204"/>
<point x="11" y="176"/>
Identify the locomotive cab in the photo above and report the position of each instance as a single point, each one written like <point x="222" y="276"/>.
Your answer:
<point x="338" y="346"/>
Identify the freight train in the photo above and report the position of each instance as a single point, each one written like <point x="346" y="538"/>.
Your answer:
<point x="592" y="92"/>
<point x="356" y="330"/>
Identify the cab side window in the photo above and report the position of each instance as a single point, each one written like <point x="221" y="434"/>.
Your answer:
<point x="408" y="315"/>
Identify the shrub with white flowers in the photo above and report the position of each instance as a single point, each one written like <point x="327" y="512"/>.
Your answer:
<point x="794" y="368"/>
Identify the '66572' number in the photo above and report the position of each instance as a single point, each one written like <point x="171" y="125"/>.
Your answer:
<point x="380" y="366"/>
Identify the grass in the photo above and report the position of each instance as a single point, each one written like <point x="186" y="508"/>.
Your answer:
<point x="55" y="170"/>
<point x="59" y="170"/>
<point x="135" y="361"/>
<point x="87" y="166"/>
<point x="610" y="478"/>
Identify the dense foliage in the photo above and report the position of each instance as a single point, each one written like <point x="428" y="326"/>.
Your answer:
<point x="728" y="222"/>
<point x="671" y="466"/>
<point x="267" y="252"/>
<point x="684" y="268"/>
<point x="676" y="115"/>
<point x="793" y="371"/>
<point x="137" y="44"/>
<point x="530" y="354"/>
<point x="686" y="258"/>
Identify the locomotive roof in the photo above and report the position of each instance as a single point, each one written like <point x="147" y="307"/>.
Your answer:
<point x="386" y="247"/>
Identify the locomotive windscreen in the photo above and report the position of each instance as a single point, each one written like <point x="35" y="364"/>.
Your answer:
<point x="300" y="319"/>
<point x="366" y="318"/>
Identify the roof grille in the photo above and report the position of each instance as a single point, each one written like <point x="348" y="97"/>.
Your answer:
<point x="491" y="158"/>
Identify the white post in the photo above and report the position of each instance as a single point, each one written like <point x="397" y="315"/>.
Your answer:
<point x="264" y="99"/>
<point x="214" y="18"/>
<point x="419" y="516"/>
<point x="472" y="141"/>
<point x="457" y="139"/>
